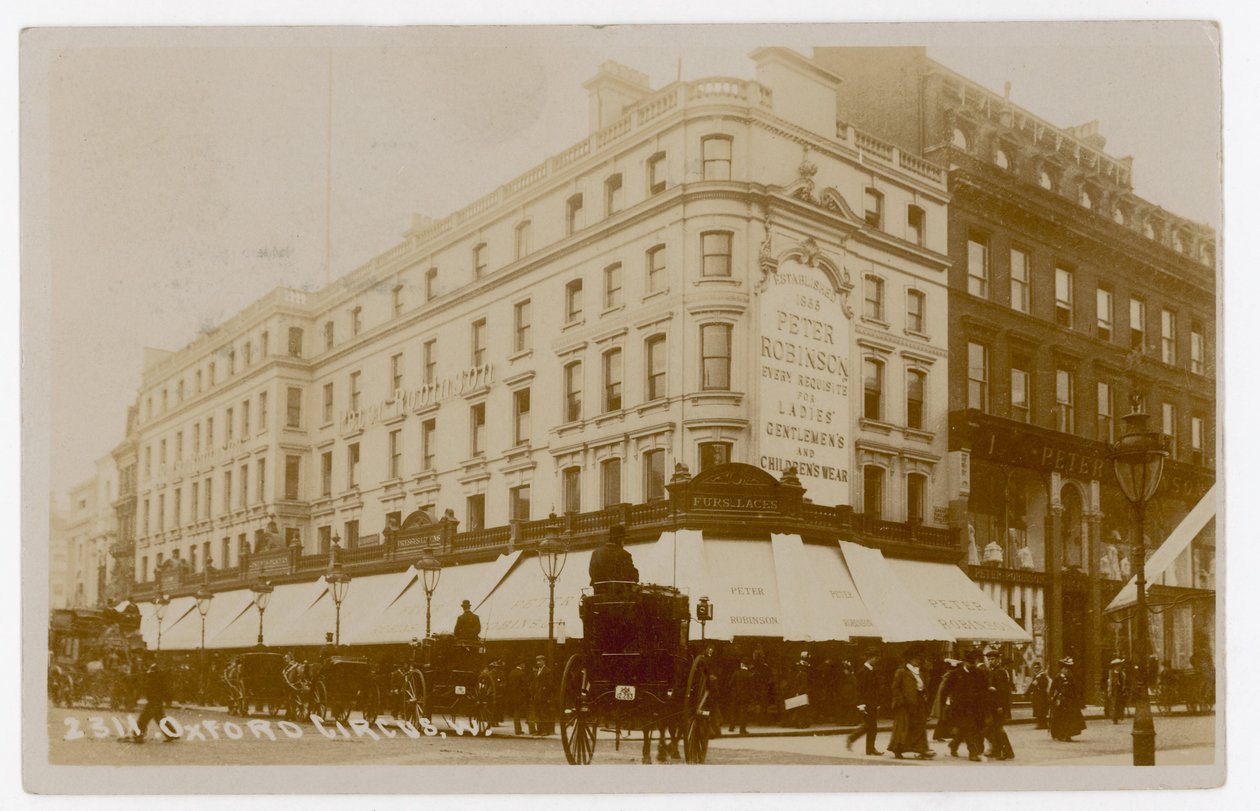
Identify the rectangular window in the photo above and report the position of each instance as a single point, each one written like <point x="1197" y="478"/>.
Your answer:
<point x="398" y="300"/>
<point x="179" y="387"/>
<point x="292" y="477"/>
<point x="355" y="394"/>
<point x="479" y="260"/>
<point x="873" y="492"/>
<point x="916" y="307"/>
<point x="196" y="435"/>
<point x="229" y="428"/>
<point x="210" y="373"/>
<point x="328" y="403"/>
<point x="430" y="361"/>
<point x="262" y="412"/>
<point x="428" y="432"/>
<point x="395" y="373"/>
<point x="978" y="267"/>
<point x="352" y="465"/>
<point x="325" y="539"/>
<point x="209" y="432"/>
<point x="915" y="224"/>
<point x="144" y="517"/>
<point x="572" y="489"/>
<point x="476" y="512"/>
<point x="199" y="381"/>
<point x="293" y="410"/>
<point x="713" y="454"/>
<point x="395" y="453"/>
<point x="1168" y="412"/>
<point x="572" y="212"/>
<point x="1019" y="280"/>
<point x="873" y="298"/>
<point x="264" y="346"/>
<point x="1168" y="336"/>
<point x="656" y="280"/>
<point x="977" y="376"/>
<point x="1196" y="439"/>
<point x="1106" y="316"/>
<point x="610" y="482"/>
<point x="329" y="334"/>
<point x="261" y="475"/>
<point x="194" y="501"/>
<point x="715" y="357"/>
<point x="654" y="349"/>
<point x="653" y="474"/>
<point x="573" y="392"/>
<point x="325" y="474"/>
<point x="178" y="508"/>
<point x="715" y="250"/>
<point x="1196" y="348"/>
<point x="573" y="301"/>
<point x="179" y="441"/>
<point x="352" y="535"/>
<point x="244" y="486"/>
<point x="356" y="320"/>
<point x="1106" y="413"/>
<point x="244" y="428"/>
<point x="1021" y="395"/>
<point x="295" y="342"/>
<point x="1065" y="401"/>
<point x="249" y="360"/>
<point x="478" y="342"/>
<point x="612" y="380"/>
<point x="872" y="389"/>
<point x="477" y="429"/>
<point x="518" y="503"/>
<point x="916" y="382"/>
<point x="916" y="492"/>
<point x="874" y="203"/>
<point x="148" y="461"/>
<point x="612" y="286"/>
<point x="1063" y="297"/>
<point x="520" y="417"/>
<point x="715" y="151"/>
<point x="612" y="195"/>
<point x="1137" y="324"/>
<point x="523" y="239"/>
<point x="656" y="173"/>
<point x="430" y="284"/>
<point x="521" y="321"/>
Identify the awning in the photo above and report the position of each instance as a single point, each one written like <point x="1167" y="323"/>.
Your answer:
<point x="288" y="604"/>
<point x="818" y="597"/>
<point x="176" y="610"/>
<point x="403" y="617"/>
<point x="517" y="607"/>
<point x="898" y="612"/>
<point x="365" y="601"/>
<point x="744" y="589"/>
<point x="1173" y="545"/>
<point x="958" y="605"/>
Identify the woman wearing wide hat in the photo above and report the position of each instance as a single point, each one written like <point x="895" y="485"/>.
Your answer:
<point x="909" y="706"/>
<point x="1066" y="719"/>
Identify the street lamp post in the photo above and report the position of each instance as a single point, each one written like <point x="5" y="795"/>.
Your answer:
<point x="262" y="595"/>
<point x="431" y="572"/>
<point x="204" y="596"/>
<point x="339" y="580"/>
<point x="159" y="611"/>
<point x="704" y="613"/>
<point x="1138" y="459"/>
<point x="552" y="553"/>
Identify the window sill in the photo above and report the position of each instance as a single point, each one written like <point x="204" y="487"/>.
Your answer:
<point x="394" y="420"/>
<point x="657" y="294"/>
<point x="574" y="324"/>
<point x="916" y="334"/>
<point x="918" y="435"/>
<point x="875" y="321"/>
<point x="611" y="310"/>
<point x="728" y="281"/>
<point x="659" y="404"/>
<point x="607" y="417"/>
<point x="875" y="426"/>
<point x="521" y="355"/>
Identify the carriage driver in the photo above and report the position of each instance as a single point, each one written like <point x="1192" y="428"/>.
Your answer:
<point x="611" y="563"/>
<point x="467" y="624"/>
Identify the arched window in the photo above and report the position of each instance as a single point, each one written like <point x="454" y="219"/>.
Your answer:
<point x="1046" y="179"/>
<point x="1002" y="159"/>
<point x="960" y="139"/>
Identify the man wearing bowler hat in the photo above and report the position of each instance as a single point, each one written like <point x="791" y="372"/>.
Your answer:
<point x="467" y="624"/>
<point x="868" y="703"/>
<point x="611" y="565"/>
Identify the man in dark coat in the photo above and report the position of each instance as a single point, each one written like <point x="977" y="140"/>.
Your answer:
<point x="467" y="624"/>
<point x="798" y="687"/>
<point x="868" y="703"/>
<point x="611" y="563"/>
<point x="1116" y="690"/>
<point x="969" y="703"/>
<point x="542" y="698"/>
<point x="156" y="694"/>
<point x="944" y="701"/>
<point x="1000" y="689"/>
<point x="518" y="680"/>
<point x="1038" y="693"/>
<point x="740" y="696"/>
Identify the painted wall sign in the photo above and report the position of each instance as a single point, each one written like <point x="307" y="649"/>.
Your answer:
<point x="803" y="382"/>
<point x="405" y="400"/>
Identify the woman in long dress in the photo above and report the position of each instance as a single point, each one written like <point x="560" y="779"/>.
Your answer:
<point x="1066" y="720"/>
<point x="909" y="706"/>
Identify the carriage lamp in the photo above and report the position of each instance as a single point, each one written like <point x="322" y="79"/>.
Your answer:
<point x="159" y="611"/>
<point x="339" y="580"/>
<point x="1138" y="458"/>
<point x="704" y="613"/>
<point x="204" y="596"/>
<point x="431" y="572"/>
<point x="262" y="595"/>
<point x="552" y="553"/>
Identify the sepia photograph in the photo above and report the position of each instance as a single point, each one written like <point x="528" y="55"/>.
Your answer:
<point x="748" y="396"/>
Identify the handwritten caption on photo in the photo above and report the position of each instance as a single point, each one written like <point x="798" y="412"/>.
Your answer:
<point x="206" y="729"/>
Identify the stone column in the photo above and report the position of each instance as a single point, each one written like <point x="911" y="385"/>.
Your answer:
<point x="1054" y="596"/>
<point x="1093" y="636"/>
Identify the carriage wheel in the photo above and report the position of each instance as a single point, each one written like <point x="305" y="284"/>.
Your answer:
<point x="416" y="696"/>
<point x="370" y="703"/>
<point x="321" y="704"/>
<point x="482" y="717"/>
<point x="577" y="726"/>
<point x="696" y="719"/>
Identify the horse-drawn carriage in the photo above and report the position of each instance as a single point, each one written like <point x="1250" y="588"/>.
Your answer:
<point x="449" y="680"/>
<point x="92" y="658"/>
<point x="1193" y="688"/>
<point x="256" y="680"/>
<point x="345" y="684"/>
<point x="635" y="672"/>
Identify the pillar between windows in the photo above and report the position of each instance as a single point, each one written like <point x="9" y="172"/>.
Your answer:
<point x="1054" y="557"/>
<point x="1093" y="635"/>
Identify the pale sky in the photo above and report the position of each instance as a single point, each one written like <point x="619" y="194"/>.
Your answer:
<point x="172" y="168"/>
